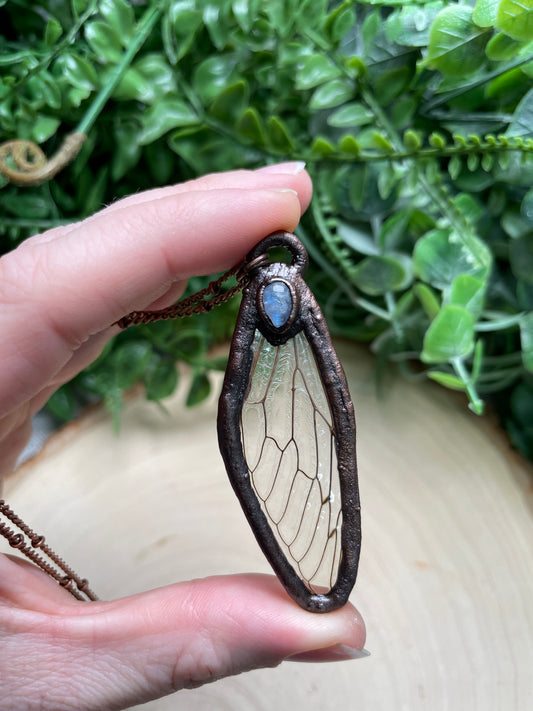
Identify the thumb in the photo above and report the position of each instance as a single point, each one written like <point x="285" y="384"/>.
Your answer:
<point x="116" y="654"/>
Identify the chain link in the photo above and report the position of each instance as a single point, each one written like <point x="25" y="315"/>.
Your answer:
<point x="202" y="301"/>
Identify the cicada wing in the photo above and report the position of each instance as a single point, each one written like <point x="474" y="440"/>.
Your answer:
<point x="290" y="450"/>
<point x="287" y="436"/>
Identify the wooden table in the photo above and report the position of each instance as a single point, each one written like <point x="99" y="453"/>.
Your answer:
<point x="446" y="576"/>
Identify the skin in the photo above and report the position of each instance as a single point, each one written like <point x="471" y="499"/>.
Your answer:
<point x="59" y="294"/>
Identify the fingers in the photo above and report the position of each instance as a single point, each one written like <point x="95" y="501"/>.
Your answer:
<point x="284" y="175"/>
<point x="75" y="283"/>
<point x="139" y="648"/>
<point x="291" y="175"/>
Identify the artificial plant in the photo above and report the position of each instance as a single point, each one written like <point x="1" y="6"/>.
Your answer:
<point x="416" y="123"/>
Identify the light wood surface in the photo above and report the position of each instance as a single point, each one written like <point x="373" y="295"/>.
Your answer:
<point x="446" y="576"/>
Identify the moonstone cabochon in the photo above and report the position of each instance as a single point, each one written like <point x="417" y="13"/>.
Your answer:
<point x="277" y="302"/>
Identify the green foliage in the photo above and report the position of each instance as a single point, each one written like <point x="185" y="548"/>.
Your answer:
<point x="416" y="122"/>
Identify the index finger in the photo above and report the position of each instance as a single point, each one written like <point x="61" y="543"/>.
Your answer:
<point x="61" y="290"/>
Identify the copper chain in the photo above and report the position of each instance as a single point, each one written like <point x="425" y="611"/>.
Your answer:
<point x="198" y="302"/>
<point x="27" y="541"/>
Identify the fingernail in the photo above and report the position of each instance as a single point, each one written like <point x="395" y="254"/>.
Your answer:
<point x="292" y="168"/>
<point x="338" y="653"/>
<point x="282" y="190"/>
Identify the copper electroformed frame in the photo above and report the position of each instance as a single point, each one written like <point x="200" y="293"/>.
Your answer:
<point x="305" y="316"/>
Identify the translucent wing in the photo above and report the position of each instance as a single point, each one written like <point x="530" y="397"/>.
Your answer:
<point x="286" y="431"/>
<point x="289" y="446"/>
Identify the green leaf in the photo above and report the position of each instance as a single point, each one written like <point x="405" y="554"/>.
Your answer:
<point x="245" y="12"/>
<point x="515" y="18"/>
<point x="44" y="127"/>
<point x="30" y="205"/>
<point x="469" y="207"/>
<point x="501" y="47"/>
<point x="524" y="296"/>
<point x="231" y="102"/>
<point x="376" y="275"/>
<point x="449" y="336"/>
<point x="359" y="240"/>
<point x="78" y="6"/>
<point x="522" y="121"/>
<point x="393" y="232"/>
<point x="456" y="45"/>
<point x="52" y="32"/>
<point x="250" y="126"/>
<point x="188" y="344"/>
<point x="179" y="28"/>
<point x="526" y="208"/>
<point x="130" y="360"/>
<point x="469" y="292"/>
<point x="134" y="87"/>
<point x="199" y="390"/>
<point x="76" y="71"/>
<point x="279" y="135"/>
<point x="526" y="340"/>
<point x="412" y="140"/>
<point x="381" y="142"/>
<point x="486" y="12"/>
<point x="161" y="380"/>
<point x="428" y="299"/>
<point x="214" y="17"/>
<point x="62" y="404"/>
<point x="315" y="69"/>
<point x="455" y="167"/>
<point x="348" y="144"/>
<point x="44" y="88"/>
<point x="157" y="72"/>
<point x="403" y="111"/>
<point x="370" y="29"/>
<point x="280" y="14"/>
<point x="440" y="256"/>
<point x="322" y="147"/>
<point x="214" y="74"/>
<point x="388" y="178"/>
<point x="163" y="116"/>
<point x="120" y="17"/>
<point x="514" y="223"/>
<point x="93" y="191"/>
<point x="127" y="149"/>
<point x="447" y="379"/>
<point x="521" y="257"/>
<point x="391" y="84"/>
<point x="357" y="185"/>
<point x="353" y="114"/>
<point x="104" y="41"/>
<point x="410" y="26"/>
<point x="332" y="93"/>
<point x="161" y="162"/>
<point x="437" y="140"/>
<point x="340" y="21"/>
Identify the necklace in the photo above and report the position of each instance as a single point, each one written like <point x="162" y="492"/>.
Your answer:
<point x="286" y="431"/>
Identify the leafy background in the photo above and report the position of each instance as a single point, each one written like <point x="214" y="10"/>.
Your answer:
<point x="416" y="122"/>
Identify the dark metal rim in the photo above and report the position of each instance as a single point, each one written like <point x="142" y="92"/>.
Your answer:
<point x="300" y="260"/>
<point x="311" y="321"/>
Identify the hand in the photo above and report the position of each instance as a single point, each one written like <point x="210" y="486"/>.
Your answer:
<point x="60" y="293"/>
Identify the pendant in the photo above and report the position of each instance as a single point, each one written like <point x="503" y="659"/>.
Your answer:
<point x="286" y="431"/>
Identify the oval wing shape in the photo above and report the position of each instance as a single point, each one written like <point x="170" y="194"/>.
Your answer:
<point x="290" y="449"/>
<point x="286" y="431"/>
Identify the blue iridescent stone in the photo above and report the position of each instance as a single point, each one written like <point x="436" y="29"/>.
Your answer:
<point x="277" y="302"/>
